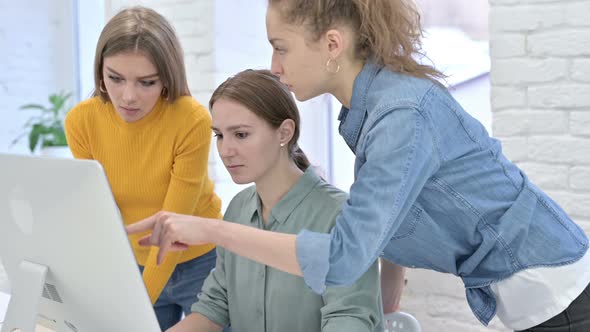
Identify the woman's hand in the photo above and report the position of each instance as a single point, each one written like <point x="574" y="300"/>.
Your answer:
<point x="171" y="232"/>
<point x="174" y="232"/>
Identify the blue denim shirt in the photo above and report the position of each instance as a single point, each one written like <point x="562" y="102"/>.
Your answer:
<point x="432" y="190"/>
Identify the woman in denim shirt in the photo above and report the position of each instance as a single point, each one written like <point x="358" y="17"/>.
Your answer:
<point x="432" y="189"/>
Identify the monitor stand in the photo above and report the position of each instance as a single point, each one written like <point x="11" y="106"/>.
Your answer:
<point x="27" y="290"/>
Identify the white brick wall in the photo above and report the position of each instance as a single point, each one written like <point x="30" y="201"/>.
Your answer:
<point x="36" y="59"/>
<point x="541" y="112"/>
<point x="541" y="94"/>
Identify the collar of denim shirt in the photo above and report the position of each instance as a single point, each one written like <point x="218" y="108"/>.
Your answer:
<point x="289" y="202"/>
<point x="351" y="121"/>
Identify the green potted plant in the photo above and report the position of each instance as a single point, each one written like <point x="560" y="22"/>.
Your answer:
<point x="46" y="129"/>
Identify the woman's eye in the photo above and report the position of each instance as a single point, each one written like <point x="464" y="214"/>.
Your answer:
<point x="148" y="83"/>
<point x="115" y="79"/>
<point x="241" y="135"/>
<point x="218" y="136"/>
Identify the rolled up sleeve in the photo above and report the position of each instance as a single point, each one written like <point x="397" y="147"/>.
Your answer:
<point x="357" y="308"/>
<point x="212" y="301"/>
<point x="313" y="250"/>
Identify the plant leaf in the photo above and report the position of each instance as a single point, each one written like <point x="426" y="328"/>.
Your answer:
<point x="58" y="105"/>
<point x="33" y="107"/>
<point x="59" y="102"/>
<point x="58" y="136"/>
<point x="34" y="136"/>
<point x="53" y="98"/>
<point x="47" y="127"/>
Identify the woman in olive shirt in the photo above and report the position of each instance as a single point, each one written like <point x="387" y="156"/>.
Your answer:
<point x="256" y="123"/>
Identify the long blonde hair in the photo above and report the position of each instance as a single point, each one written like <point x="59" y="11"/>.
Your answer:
<point x="387" y="31"/>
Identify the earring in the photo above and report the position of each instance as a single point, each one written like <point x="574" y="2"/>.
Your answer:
<point x="100" y="88"/>
<point x="330" y="66"/>
<point x="282" y="144"/>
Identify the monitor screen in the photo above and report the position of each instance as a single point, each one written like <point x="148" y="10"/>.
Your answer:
<point x="65" y="250"/>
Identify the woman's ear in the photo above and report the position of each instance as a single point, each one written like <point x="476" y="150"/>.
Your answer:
<point x="286" y="131"/>
<point x="336" y="41"/>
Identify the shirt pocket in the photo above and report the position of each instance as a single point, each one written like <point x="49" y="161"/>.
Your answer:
<point x="409" y="224"/>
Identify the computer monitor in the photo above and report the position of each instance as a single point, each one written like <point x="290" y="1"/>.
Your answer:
<point x="65" y="250"/>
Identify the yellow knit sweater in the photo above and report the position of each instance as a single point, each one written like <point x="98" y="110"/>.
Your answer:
<point x="157" y="163"/>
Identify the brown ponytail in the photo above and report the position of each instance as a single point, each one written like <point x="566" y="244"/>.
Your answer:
<point x="299" y="157"/>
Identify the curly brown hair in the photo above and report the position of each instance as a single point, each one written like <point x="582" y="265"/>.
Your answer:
<point x="387" y="31"/>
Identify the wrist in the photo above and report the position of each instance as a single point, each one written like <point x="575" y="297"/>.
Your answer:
<point x="213" y="231"/>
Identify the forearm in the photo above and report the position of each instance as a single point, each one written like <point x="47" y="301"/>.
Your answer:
<point x="270" y="248"/>
<point x="195" y="322"/>
<point x="392" y="285"/>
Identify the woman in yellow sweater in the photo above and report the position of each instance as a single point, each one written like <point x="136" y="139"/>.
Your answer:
<point x="153" y="139"/>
